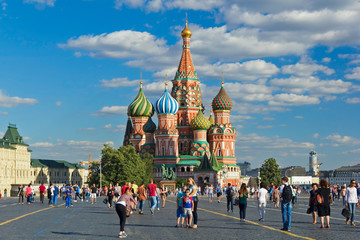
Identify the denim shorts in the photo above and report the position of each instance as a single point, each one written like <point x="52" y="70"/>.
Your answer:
<point x="179" y="212"/>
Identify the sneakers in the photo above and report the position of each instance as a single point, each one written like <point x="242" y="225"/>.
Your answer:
<point x="152" y="213"/>
<point x="284" y="229"/>
<point x="352" y="224"/>
<point x="122" y="235"/>
<point x="347" y="220"/>
<point x="158" y="209"/>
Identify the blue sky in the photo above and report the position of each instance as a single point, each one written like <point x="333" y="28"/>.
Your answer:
<point x="69" y="69"/>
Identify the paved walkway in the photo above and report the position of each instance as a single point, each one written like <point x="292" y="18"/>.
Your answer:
<point x="86" y="221"/>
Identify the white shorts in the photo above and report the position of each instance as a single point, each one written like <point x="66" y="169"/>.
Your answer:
<point x="93" y="195"/>
<point x="187" y="212"/>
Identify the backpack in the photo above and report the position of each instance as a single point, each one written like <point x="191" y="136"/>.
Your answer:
<point x="230" y="192"/>
<point x="286" y="194"/>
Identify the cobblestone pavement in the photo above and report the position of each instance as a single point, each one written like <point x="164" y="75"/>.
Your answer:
<point x="86" y="221"/>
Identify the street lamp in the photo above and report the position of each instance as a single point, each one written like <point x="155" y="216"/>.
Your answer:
<point x="100" y="177"/>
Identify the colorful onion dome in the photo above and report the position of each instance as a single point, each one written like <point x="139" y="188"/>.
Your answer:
<point x="149" y="126"/>
<point x="222" y="101"/>
<point x="186" y="33"/>
<point x="141" y="106"/>
<point x="200" y="122"/>
<point x="166" y="104"/>
<point x="211" y="119"/>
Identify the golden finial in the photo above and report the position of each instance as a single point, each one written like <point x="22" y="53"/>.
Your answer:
<point x="166" y="83"/>
<point x="186" y="33"/>
<point x="141" y="82"/>
<point x="222" y="79"/>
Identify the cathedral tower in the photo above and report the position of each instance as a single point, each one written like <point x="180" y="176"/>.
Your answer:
<point x="186" y="91"/>
<point x="140" y="110"/>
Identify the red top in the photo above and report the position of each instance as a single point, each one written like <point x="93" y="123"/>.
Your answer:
<point x="42" y="189"/>
<point x="152" y="190"/>
<point x="124" y="189"/>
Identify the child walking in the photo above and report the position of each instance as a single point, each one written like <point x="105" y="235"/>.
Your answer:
<point x="68" y="197"/>
<point x="180" y="211"/>
<point x="188" y="207"/>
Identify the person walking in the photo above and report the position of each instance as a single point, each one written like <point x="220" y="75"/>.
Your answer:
<point x="42" y="189"/>
<point x="243" y="196"/>
<point x="117" y="192"/>
<point x="151" y="188"/>
<point x="229" y="197"/>
<point x="21" y="194"/>
<point x="262" y="198"/>
<point x="50" y="193"/>
<point x="193" y="193"/>
<point x="286" y="206"/>
<point x="134" y="188"/>
<point x="141" y="193"/>
<point x="68" y="196"/>
<point x="351" y="199"/>
<point x="211" y="193"/>
<point x="93" y="194"/>
<point x="218" y="193"/>
<point x="324" y="206"/>
<point x="122" y="206"/>
<point x="312" y="199"/>
<point x="28" y="194"/>
<point x="276" y="197"/>
<point x="110" y="195"/>
<point x="163" y="195"/>
<point x="56" y="192"/>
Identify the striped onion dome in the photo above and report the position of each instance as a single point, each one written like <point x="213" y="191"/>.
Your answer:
<point x="200" y="122"/>
<point x="149" y="126"/>
<point x="141" y="106"/>
<point x="222" y="101"/>
<point x="166" y="104"/>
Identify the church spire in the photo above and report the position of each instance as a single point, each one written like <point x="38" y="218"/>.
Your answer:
<point x="186" y="68"/>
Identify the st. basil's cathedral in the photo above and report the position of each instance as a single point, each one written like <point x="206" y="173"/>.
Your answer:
<point x="186" y="141"/>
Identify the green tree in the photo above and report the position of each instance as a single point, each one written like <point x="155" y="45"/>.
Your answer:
<point x="181" y="182"/>
<point x="125" y="164"/>
<point x="270" y="172"/>
<point x="94" y="175"/>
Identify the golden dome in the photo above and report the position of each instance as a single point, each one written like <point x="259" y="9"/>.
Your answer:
<point x="186" y="31"/>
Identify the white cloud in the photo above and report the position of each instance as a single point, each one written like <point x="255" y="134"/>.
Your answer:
<point x="326" y="60"/>
<point x="42" y="145"/>
<point x="129" y="3"/>
<point x="119" y="82"/>
<point x="87" y="129"/>
<point x="107" y="126"/>
<point x="27" y="139"/>
<point x="311" y="84"/>
<point x="355" y="74"/>
<point x="337" y="140"/>
<point x="239" y="118"/>
<point x="3" y="113"/>
<point x="41" y="3"/>
<point x="6" y="101"/>
<point x="58" y="103"/>
<point x="316" y="135"/>
<point x="119" y="128"/>
<point x="120" y="44"/>
<point x="304" y="69"/>
<point x="111" y="111"/>
<point x="269" y="119"/>
<point x="299" y="117"/>
<point x="353" y="100"/>
<point x="264" y="126"/>
<point x="3" y="6"/>
<point x="285" y="99"/>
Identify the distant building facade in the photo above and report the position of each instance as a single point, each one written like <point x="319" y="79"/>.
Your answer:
<point x="344" y="175"/>
<point x="17" y="167"/>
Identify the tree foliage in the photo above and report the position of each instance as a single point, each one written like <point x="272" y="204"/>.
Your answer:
<point x="124" y="164"/>
<point x="270" y="172"/>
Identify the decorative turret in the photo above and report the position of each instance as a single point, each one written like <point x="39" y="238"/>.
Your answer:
<point x="149" y="126"/>
<point x="211" y="119"/>
<point x="200" y="122"/>
<point x="139" y="110"/>
<point x="222" y="101"/>
<point x="186" y="32"/>
<point x="141" y="106"/>
<point x="166" y="104"/>
<point x="128" y="132"/>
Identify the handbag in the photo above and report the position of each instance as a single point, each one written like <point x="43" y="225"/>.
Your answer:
<point x="236" y="202"/>
<point x="345" y="212"/>
<point x="127" y="213"/>
<point x="308" y="211"/>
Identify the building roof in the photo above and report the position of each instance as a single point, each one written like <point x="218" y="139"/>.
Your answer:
<point x="189" y="162"/>
<point x="128" y="131"/>
<point x="141" y="106"/>
<point x="46" y="163"/>
<point x="149" y="126"/>
<point x="166" y="104"/>
<point x="222" y="101"/>
<point x="11" y="137"/>
<point x="200" y="122"/>
<point x="355" y="168"/>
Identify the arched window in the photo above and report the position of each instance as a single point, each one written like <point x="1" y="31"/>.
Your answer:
<point x="219" y="152"/>
<point x="163" y="151"/>
<point x="188" y="169"/>
<point x="182" y="169"/>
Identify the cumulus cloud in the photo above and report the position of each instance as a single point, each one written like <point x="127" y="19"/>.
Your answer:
<point x="336" y="140"/>
<point x="264" y="126"/>
<point x="40" y="4"/>
<point x="305" y="69"/>
<point x="119" y="82"/>
<point x="109" y="111"/>
<point x="42" y="145"/>
<point x="107" y="126"/>
<point x="58" y="103"/>
<point x="6" y="101"/>
<point x="355" y="74"/>
<point x="87" y="129"/>
<point x="353" y="100"/>
<point x="286" y="99"/>
<point x="3" y="113"/>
